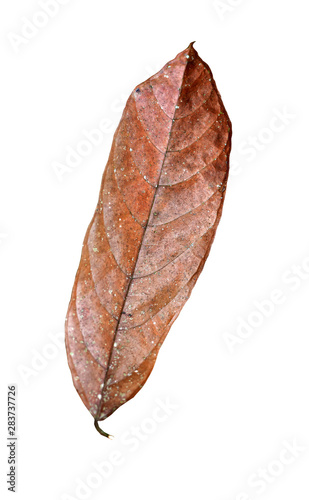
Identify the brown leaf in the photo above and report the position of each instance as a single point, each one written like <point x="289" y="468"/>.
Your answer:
<point x="159" y="206"/>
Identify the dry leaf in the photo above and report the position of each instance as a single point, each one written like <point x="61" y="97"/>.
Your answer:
<point x="159" y="206"/>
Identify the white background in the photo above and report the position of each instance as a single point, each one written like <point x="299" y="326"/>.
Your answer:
<point x="238" y="401"/>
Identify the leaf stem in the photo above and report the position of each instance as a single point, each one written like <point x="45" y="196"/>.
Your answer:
<point x="96" y="424"/>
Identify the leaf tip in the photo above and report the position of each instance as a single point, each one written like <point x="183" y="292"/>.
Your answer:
<point x="190" y="46"/>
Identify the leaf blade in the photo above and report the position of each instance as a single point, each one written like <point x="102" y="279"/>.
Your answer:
<point x="159" y="206"/>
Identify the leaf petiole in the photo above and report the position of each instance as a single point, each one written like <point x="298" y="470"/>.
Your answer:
<point x="96" y="424"/>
